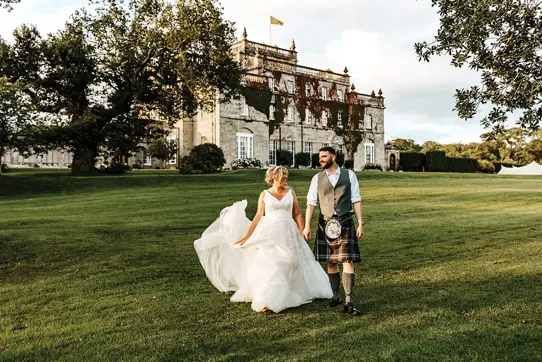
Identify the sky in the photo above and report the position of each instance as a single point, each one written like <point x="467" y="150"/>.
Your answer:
<point x="373" y="38"/>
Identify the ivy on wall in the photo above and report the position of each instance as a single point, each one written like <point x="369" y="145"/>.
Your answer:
<point x="350" y="128"/>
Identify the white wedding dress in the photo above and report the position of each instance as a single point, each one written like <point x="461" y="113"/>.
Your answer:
<point x="274" y="268"/>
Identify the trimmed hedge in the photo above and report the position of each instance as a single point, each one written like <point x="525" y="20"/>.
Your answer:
<point x="340" y="159"/>
<point x="436" y="161"/>
<point x="284" y="158"/>
<point x="315" y="157"/>
<point x="302" y="159"/>
<point x="462" y="164"/>
<point x="412" y="161"/>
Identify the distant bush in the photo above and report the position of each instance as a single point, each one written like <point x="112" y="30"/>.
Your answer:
<point x="204" y="158"/>
<point x="340" y="159"/>
<point x="412" y="161"/>
<point x="302" y="159"/>
<point x="486" y="166"/>
<point x="113" y="169"/>
<point x="349" y="164"/>
<point x="315" y="158"/>
<point x="284" y="158"/>
<point x="246" y="163"/>
<point x="436" y="161"/>
<point x="462" y="164"/>
<point x="373" y="166"/>
<point x="4" y="167"/>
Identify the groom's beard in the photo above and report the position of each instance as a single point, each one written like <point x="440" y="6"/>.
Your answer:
<point x="327" y="165"/>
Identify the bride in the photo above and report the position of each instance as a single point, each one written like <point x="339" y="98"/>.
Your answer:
<point x="266" y="261"/>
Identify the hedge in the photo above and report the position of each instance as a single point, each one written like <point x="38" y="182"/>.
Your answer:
<point x="284" y="158"/>
<point x="302" y="159"/>
<point x="462" y="164"/>
<point x="436" y="161"/>
<point x="412" y="161"/>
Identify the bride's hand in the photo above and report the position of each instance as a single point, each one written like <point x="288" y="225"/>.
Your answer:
<point x="240" y="242"/>
<point x="307" y="233"/>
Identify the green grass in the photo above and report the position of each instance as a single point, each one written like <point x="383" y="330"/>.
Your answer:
<point x="103" y="268"/>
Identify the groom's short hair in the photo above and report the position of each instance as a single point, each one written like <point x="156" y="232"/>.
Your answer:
<point x="328" y="149"/>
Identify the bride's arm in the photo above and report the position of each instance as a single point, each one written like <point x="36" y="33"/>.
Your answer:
<point x="296" y="213"/>
<point x="255" y="221"/>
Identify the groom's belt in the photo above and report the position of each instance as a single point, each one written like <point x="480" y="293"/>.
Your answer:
<point x="342" y="217"/>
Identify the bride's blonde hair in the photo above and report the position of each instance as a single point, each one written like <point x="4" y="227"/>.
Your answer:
<point x="278" y="172"/>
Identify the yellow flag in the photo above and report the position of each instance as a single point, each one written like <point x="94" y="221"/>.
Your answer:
<point x="276" y="21"/>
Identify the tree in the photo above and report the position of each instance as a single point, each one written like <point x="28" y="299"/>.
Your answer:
<point x="14" y="115"/>
<point x="404" y="145"/>
<point x="124" y="74"/>
<point x="163" y="149"/>
<point x="429" y="146"/>
<point x="501" y="39"/>
<point x="8" y="4"/>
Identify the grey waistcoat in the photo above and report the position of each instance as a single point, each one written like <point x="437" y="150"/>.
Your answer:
<point x="334" y="200"/>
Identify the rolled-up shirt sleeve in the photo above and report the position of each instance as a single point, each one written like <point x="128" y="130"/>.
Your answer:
<point x="356" y="196"/>
<point x="312" y="195"/>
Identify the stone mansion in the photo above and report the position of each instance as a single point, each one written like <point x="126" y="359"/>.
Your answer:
<point x="242" y="129"/>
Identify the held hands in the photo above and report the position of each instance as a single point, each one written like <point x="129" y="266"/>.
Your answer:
<point x="307" y="233"/>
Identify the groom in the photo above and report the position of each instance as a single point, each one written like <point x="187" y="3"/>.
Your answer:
<point x="336" y="192"/>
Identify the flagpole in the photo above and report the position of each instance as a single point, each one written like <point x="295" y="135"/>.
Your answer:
<point x="270" y="33"/>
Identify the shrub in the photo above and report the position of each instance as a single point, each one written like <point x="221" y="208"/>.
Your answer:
<point x="302" y="159"/>
<point x="315" y="158"/>
<point x="436" y="161"/>
<point x="246" y="162"/>
<point x="113" y="169"/>
<point x="340" y="159"/>
<point x="204" y="158"/>
<point x="486" y="166"/>
<point x="412" y="161"/>
<point x="349" y="164"/>
<point x="4" y="167"/>
<point x="373" y="166"/>
<point x="462" y="164"/>
<point x="284" y="158"/>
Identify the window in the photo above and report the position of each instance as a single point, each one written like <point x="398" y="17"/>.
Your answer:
<point x="308" y="116"/>
<point x="147" y="161"/>
<point x="369" y="153"/>
<point x="340" y="119"/>
<point x="339" y="95"/>
<point x="325" y="144"/>
<point x="291" y="148"/>
<point x="369" y="122"/>
<point x="245" y="145"/>
<point x="272" y="112"/>
<point x="272" y="84"/>
<point x="244" y="107"/>
<point x="273" y="152"/>
<point x="325" y="116"/>
<point x="291" y="113"/>
<point x="308" y="147"/>
<point x="324" y="93"/>
<point x="307" y="90"/>
<point x="290" y="86"/>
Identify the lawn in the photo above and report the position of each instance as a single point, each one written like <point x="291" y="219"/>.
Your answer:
<point x="103" y="269"/>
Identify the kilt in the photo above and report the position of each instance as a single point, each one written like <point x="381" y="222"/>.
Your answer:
<point x="344" y="249"/>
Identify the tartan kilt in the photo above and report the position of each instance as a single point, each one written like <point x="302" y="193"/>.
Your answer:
<point x="344" y="249"/>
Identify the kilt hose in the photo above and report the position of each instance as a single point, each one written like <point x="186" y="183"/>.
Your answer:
<point x="344" y="249"/>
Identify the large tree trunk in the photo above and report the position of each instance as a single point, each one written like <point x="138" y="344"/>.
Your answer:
<point x="83" y="159"/>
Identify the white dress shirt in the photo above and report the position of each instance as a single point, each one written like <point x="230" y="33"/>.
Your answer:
<point x="312" y="195"/>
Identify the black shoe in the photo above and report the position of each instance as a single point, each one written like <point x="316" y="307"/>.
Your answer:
<point x="351" y="310"/>
<point x="334" y="303"/>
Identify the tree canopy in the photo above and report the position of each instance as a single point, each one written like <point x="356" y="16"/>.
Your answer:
<point x="121" y="74"/>
<point x="502" y="39"/>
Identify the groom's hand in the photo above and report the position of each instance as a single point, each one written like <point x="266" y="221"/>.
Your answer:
<point x="360" y="232"/>
<point x="307" y="233"/>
